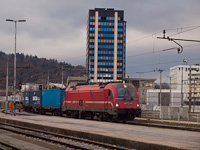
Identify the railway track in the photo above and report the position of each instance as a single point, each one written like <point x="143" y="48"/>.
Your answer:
<point x="8" y="146"/>
<point x="64" y="140"/>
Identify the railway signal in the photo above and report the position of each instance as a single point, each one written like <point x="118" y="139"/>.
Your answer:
<point x="20" y="85"/>
<point x="40" y="87"/>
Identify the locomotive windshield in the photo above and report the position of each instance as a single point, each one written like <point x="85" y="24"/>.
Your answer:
<point x="125" y="92"/>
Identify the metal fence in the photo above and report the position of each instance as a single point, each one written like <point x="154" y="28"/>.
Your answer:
<point x="171" y="114"/>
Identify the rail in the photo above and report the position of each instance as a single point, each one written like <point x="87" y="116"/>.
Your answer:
<point x="60" y="139"/>
<point x="6" y="145"/>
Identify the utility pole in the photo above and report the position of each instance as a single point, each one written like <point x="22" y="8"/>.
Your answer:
<point x="160" y="91"/>
<point x="182" y="88"/>
<point x="194" y="96"/>
<point x="62" y="77"/>
<point x="43" y="80"/>
<point x="190" y="98"/>
<point x="48" y="81"/>
<point x="6" y="106"/>
<point x="170" y="79"/>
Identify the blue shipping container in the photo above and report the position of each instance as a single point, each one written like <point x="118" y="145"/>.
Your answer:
<point x="62" y="95"/>
<point x="52" y="98"/>
<point x="35" y="98"/>
<point x="26" y="98"/>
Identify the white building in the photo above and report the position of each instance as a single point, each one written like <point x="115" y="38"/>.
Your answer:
<point x="180" y="80"/>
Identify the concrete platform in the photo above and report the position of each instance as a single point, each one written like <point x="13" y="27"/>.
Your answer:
<point x="132" y="136"/>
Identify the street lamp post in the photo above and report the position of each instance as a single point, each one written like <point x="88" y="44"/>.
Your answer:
<point x="15" y="56"/>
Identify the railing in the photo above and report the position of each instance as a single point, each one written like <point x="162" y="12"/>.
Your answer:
<point x="171" y="117"/>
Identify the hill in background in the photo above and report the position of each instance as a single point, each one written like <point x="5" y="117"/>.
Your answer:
<point x="31" y="69"/>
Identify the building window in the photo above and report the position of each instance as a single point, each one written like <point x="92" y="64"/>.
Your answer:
<point x="106" y="46"/>
<point x="120" y="24"/>
<point x="91" y="46"/>
<point x="106" y="29"/>
<point x="91" y="40"/>
<point x="105" y="35"/>
<point x="92" y="29"/>
<point x="92" y="23"/>
<point x="92" y="74"/>
<point x="91" y="57"/>
<point x="120" y="35"/>
<point x="119" y="75"/>
<point x="105" y="58"/>
<point x="119" y="69"/>
<point x="120" y="29"/>
<point x="119" y="52"/>
<point x="119" y="46"/>
<point x="91" y="35"/>
<point x="119" y="41"/>
<point x="119" y="58"/>
<point x="106" y="23"/>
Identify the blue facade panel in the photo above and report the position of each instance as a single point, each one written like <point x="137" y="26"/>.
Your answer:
<point x="35" y="98"/>
<point x="26" y="98"/>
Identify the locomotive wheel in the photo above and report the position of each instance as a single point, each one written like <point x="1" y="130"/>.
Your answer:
<point x="91" y="116"/>
<point x="107" y="117"/>
<point x="75" y="114"/>
<point x="124" y="121"/>
<point x="99" y="116"/>
<point x="52" y="112"/>
<point x="60" y="113"/>
<point x="82" y="115"/>
<point x="39" y="111"/>
<point x="56" y="112"/>
<point x="43" y="112"/>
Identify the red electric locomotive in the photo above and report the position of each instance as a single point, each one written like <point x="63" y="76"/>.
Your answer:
<point x="113" y="101"/>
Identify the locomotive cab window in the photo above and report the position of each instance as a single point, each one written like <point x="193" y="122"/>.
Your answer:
<point x="125" y="92"/>
<point x="110" y="94"/>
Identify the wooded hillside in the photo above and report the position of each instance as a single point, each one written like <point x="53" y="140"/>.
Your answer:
<point x="31" y="69"/>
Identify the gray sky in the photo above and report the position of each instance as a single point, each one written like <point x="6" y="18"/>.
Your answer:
<point x="57" y="29"/>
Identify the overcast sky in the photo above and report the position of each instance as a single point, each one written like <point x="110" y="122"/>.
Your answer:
<point x="57" y="29"/>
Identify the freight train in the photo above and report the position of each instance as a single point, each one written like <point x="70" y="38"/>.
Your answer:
<point x="113" y="101"/>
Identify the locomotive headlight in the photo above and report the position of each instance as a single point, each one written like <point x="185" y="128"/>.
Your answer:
<point x="117" y="105"/>
<point x="138" y="105"/>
